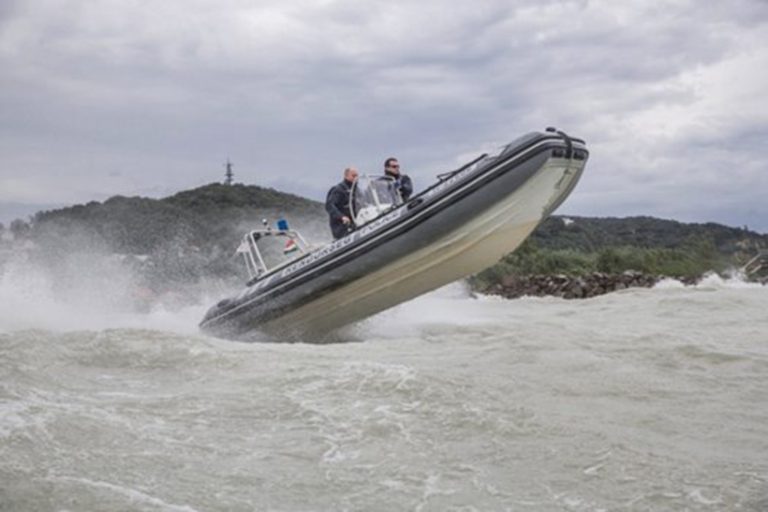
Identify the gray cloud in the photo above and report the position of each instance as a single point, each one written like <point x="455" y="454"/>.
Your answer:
<point x="114" y="97"/>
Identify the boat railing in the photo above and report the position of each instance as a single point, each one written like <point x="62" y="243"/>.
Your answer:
<point x="266" y="250"/>
<point x="445" y="175"/>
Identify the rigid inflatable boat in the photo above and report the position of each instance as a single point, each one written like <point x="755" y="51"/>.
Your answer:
<point x="465" y="222"/>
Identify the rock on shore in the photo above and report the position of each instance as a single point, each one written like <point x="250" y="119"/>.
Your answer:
<point x="570" y="287"/>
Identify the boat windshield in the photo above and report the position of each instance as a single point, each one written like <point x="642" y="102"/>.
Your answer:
<point x="265" y="250"/>
<point x="371" y="196"/>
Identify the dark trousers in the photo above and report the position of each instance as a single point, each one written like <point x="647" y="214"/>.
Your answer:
<point x="339" y="229"/>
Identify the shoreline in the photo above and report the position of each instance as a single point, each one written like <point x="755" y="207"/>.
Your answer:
<point x="581" y="287"/>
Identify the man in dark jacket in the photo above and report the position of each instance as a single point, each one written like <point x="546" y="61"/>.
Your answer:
<point x="402" y="181"/>
<point x="337" y="204"/>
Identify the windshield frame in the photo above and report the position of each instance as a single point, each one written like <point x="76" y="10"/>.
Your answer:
<point x="366" y="209"/>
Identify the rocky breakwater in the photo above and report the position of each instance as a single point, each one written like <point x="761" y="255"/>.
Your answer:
<point x="573" y="287"/>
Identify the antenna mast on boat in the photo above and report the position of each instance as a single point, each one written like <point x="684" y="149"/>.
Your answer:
<point x="229" y="175"/>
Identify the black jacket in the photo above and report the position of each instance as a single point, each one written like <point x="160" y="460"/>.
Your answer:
<point x="337" y="206"/>
<point x="402" y="183"/>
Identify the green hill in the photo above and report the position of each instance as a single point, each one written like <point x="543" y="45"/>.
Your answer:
<point x="209" y="214"/>
<point x="592" y="234"/>
<point x="191" y="236"/>
<point x="583" y="245"/>
<point x="174" y="240"/>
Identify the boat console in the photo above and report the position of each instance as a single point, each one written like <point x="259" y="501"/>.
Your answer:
<point x="371" y="197"/>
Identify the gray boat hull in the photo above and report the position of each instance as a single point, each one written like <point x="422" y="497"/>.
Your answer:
<point x="457" y="228"/>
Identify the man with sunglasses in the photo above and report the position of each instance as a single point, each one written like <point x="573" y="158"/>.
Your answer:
<point x="402" y="181"/>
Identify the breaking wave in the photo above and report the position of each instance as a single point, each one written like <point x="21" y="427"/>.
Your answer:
<point x="639" y="399"/>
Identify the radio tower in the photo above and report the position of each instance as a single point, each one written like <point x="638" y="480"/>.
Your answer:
<point x="229" y="174"/>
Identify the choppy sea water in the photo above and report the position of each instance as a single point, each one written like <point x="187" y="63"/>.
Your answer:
<point x="645" y="399"/>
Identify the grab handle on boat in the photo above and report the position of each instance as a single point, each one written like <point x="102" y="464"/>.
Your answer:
<point x="446" y="175"/>
<point x="568" y="143"/>
<point x="414" y="203"/>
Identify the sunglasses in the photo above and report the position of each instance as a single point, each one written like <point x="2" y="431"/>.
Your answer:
<point x="393" y="166"/>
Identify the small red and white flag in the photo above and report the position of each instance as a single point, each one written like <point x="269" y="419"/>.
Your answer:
<point x="290" y="246"/>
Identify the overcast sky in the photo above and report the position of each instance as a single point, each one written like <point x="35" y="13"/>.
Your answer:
<point x="105" y="97"/>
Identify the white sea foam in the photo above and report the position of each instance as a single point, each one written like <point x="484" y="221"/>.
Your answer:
<point x="30" y="298"/>
<point x="132" y="496"/>
<point x="669" y="283"/>
<point x="711" y="281"/>
<point x="644" y="399"/>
